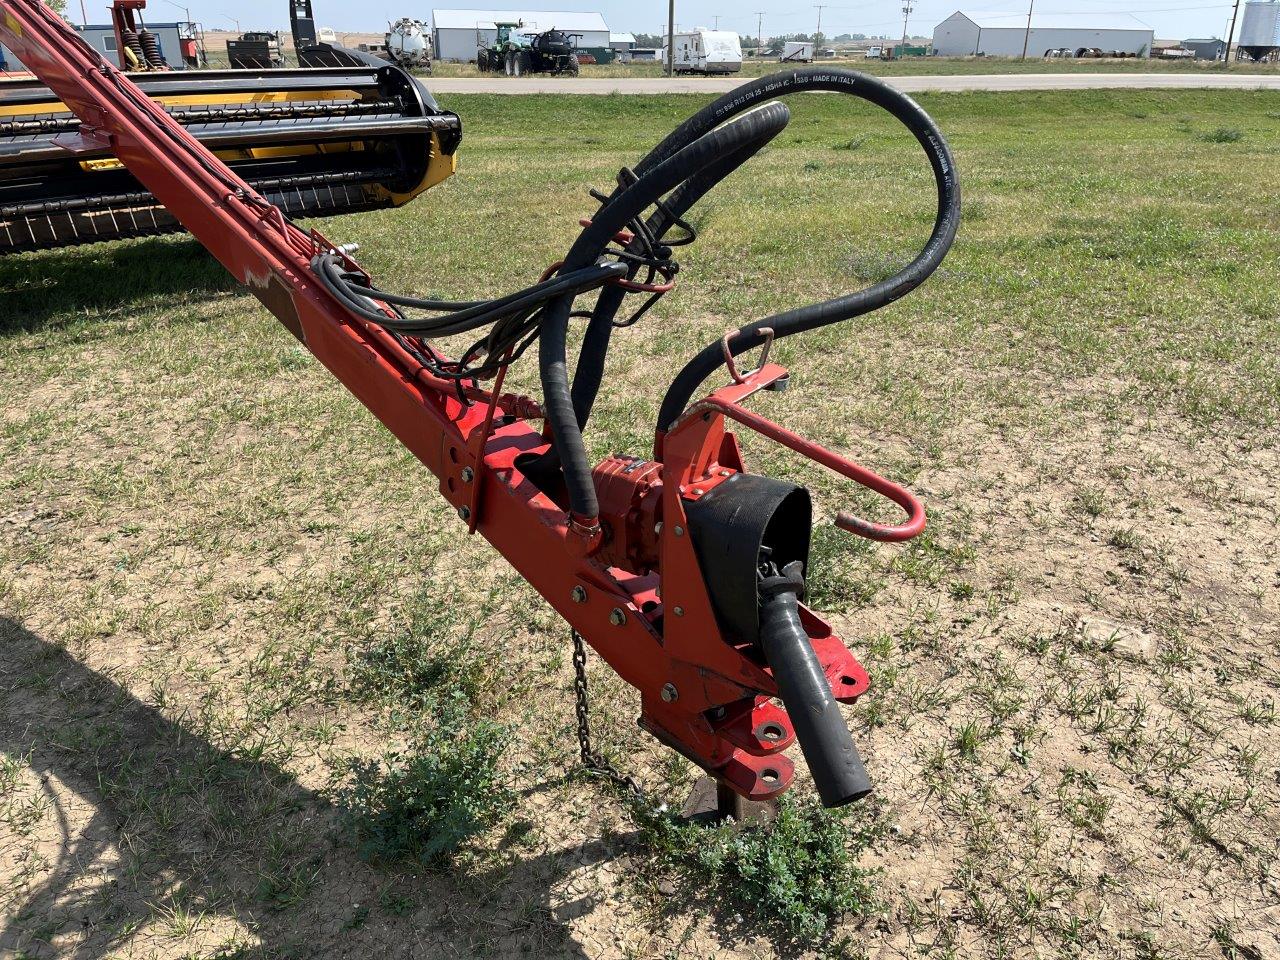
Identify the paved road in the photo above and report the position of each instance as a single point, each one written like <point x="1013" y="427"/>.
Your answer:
<point x="1009" y="81"/>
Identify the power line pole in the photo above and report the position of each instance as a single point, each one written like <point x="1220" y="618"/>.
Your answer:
<point x="1226" y="57"/>
<point x="716" y="18"/>
<point x="817" y="37"/>
<point x="1026" y="37"/>
<point x="906" y="15"/>
<point x="671" y="37"/>
<point x="759" y="34"/>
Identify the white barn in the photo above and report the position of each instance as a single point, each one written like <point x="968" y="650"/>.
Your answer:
<point x="1004" y="34"/>
<point x="457" y="33"/>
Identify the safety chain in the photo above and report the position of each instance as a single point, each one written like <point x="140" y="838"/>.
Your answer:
<point x="593" y="762"/>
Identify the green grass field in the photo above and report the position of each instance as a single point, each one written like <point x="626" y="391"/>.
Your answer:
<point x="254" y="678"/>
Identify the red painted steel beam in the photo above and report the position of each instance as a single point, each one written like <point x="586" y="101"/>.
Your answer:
<point x="640" y="601"/>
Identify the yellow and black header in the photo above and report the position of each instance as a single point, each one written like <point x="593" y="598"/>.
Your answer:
<point x="315" y="142"/>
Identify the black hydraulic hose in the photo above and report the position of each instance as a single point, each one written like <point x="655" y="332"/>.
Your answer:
<point x="473" y="314"/>
<point x="595" y="343"/>
<point x="846" y="307"/>
<point x="820" y="728"/>
<point x="757" y="126"/>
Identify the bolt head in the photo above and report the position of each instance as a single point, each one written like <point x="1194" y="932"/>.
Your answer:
<point x="617" y="616"/>
<point x="679" y="531"/>
<point x="464" y="513"/>
<point x="698" y="491"/>
<point x="679" y="611"/>
<point x="669" y="693"/>
<point x="468" y="474"/>
<point x="578" y="594"/>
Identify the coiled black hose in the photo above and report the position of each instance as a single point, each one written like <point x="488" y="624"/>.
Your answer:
<point x="739" y="101"/>
<point x="749" y="133"/>
<point x="673" y="177"/>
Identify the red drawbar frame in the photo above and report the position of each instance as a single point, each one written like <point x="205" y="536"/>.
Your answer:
<point x="648" y="612"/>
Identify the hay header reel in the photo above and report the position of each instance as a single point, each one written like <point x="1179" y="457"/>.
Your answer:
<point x="682" y="569"/>
<point x="353" y="136"/>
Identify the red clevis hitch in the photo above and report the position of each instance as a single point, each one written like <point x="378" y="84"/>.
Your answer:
<point x="711" y="520"/>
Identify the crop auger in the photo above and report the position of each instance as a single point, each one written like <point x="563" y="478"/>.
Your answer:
<point x="683" y="570"/>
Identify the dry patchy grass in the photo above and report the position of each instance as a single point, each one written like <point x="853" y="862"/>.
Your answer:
<point x="1072" y="718"/>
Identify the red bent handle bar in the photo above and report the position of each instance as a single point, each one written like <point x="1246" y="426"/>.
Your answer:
<point x="913" y="526"/>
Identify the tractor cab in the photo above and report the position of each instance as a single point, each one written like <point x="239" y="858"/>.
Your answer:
<point x="506" y="29"/>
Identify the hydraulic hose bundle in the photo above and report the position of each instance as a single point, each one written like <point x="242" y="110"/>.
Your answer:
<point x="670" y="180"/>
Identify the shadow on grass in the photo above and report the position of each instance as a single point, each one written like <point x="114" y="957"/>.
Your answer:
<point x="136" y="832"/>
<point x="53" y="288"/>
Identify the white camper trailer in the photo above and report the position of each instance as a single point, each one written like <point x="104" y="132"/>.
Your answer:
<point x="707" y="51"/>
<point x="795" y="51"/>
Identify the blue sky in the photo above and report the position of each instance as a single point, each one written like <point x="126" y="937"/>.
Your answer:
<point x="1170" y="18"/>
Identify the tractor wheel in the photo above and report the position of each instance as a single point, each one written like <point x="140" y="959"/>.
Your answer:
<point x="482" y="60"/>
<point x="524" y="63"/>
<point x="574" y="68"/>
<point x="509" y="65"/>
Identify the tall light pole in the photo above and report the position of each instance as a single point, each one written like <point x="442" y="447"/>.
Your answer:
<point x="671" y="37"/>
<point x="759" y="34"/>
<point x="1226" y="57"/>
<point x="817" y="37"/>
<point x="906" y="15"/>
<point x="1026" y="37"/>
<point x="233" y="20"/>
<point x="185" y="10"/>
<point x="716" y="18"/>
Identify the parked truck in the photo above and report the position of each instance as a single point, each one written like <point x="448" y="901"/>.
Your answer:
<point x="707" y="51"/>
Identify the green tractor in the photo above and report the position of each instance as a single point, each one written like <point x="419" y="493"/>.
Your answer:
<point x="516" y="53"/>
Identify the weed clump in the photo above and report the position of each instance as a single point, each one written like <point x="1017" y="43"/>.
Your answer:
<point x="431" y="653"/>
<point x="1223" y="135"/>
<point x="423" y="803"/>
<point x="798" y="874"/>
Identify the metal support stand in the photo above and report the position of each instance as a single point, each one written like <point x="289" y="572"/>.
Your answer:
<point x="711" y="802"/>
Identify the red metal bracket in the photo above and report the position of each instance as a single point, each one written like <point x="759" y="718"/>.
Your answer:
<point x="727" y="402"/>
